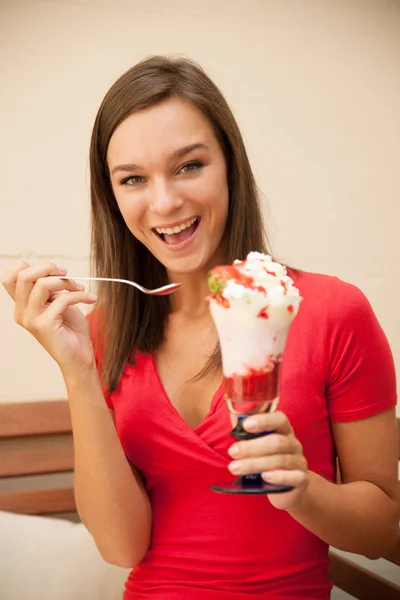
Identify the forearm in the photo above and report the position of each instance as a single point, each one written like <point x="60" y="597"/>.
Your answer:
<point x="355" y="517"/>
<point x="110" y="498"/>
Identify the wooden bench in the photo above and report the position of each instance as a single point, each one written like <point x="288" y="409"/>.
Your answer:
<point x="36" y="439"/>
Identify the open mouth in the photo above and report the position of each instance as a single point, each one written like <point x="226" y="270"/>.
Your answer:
<point x="179" y="234"/>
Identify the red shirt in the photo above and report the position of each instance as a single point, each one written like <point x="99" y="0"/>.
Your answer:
<point x="205" y="546"/>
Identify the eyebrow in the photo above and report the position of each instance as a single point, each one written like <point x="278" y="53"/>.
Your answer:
<point x="180" y="153"/>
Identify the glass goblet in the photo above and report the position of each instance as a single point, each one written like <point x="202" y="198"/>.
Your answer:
<point x="247" y="395"/>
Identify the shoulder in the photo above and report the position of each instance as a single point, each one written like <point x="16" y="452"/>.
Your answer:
<point x="341" y="317"/>
<point x="340" y="325"/>
<point x="329" y="297"/>
<point x="328" y="286"/>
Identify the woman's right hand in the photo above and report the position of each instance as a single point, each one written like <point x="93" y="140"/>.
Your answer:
<point x="47" y="308"/>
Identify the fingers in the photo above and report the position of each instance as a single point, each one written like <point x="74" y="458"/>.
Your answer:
<point x="275" y="462"/>
<point x="58" y="307"/>
<point x="32" y="290"/>
<point x="44" y="289"/>
<point x="27" y="278"/>
<point x="276" y="421"/>
<point x="9" y="278"/>
<point x="267" y="445"/>
<point x="43" y="292"/>
<point x="278" y="456"/>
<point x="294" y="478"/>
<point x="52" y="317"/>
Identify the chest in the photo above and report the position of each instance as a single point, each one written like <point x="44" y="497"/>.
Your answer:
<point x="179" y="360"/>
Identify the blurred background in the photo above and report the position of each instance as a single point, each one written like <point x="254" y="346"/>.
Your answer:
<point x="315" y="87"/>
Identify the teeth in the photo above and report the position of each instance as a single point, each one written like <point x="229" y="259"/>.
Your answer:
<point x="178" y="228"/>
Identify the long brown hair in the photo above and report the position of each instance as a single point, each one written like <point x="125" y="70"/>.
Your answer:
<point x="129" y="320"/>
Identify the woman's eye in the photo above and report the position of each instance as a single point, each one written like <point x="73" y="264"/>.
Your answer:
<point x="190" y="167"/>
<point x="132" y="180"/>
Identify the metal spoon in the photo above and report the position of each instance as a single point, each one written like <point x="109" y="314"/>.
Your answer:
<point x="161" y="291"/>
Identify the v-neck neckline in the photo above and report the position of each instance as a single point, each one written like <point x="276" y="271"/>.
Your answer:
<point x="214" y="401"/>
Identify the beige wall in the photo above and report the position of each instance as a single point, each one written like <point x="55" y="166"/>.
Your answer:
<point x="315" y="86"/>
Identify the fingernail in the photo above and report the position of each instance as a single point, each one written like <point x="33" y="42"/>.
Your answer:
<point x="92" y="296"/>
<point x="234" y="451"/>
<point x="62" y="269"/>
<point x="268" y="476"/>
<point x="80" y="286"/>
<point x="235" y="467"/>
<point x="250" y="423"/>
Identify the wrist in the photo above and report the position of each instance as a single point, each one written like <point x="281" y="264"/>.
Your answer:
<point x="304" y="503"/>
<point x="314" y="497"/>
<point x="78" y="377"/>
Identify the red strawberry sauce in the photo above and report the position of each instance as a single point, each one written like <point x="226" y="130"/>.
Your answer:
<point x="254" y="385"/>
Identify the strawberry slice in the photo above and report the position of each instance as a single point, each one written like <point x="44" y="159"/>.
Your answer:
<point x="218" y="277"/>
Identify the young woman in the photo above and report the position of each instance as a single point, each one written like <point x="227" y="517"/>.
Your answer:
<point x="173" y="195"/>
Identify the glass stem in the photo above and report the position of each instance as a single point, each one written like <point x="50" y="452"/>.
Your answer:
<point x="239" y="433"/>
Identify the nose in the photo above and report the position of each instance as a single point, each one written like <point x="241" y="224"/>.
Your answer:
<point x="164" y="199"/>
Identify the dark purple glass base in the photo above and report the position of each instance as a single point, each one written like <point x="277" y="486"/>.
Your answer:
<point x="237" y="487"/>
<point x="248" y="484"/>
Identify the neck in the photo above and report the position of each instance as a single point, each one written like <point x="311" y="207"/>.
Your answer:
<point x="189" y="300"/>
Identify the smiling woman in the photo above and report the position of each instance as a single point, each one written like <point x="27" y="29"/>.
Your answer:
<point x="170" y="177"/>
<point x="173" y="196"/>
<point x="167" y="152"/>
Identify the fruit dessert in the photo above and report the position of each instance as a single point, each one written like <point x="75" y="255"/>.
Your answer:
<point x="253" y="303"/>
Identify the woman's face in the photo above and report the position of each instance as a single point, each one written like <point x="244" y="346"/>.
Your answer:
<point x="169" y="178"/>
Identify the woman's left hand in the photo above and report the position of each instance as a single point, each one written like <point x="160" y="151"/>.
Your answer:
<point x="278" y="456"/>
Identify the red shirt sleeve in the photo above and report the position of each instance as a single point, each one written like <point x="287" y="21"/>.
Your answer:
<point x="91" y="318"/>
<point x="361" y="378"/>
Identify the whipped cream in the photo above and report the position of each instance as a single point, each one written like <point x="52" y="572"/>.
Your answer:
<point x="252" y="313"/>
